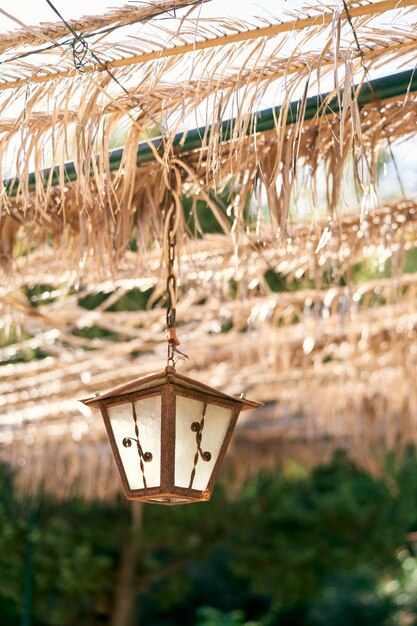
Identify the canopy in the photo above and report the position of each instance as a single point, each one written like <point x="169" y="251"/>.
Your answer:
<point x="290" y="132"/>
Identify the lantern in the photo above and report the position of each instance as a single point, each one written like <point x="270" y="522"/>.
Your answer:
<point x="169" y="434"/>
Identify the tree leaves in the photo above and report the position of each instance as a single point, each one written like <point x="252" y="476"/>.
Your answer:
<point x="309" y="548"/>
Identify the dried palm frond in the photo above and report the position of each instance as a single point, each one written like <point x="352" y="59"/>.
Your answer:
<point x="102" y="97"/>
<point x="335" y="359"/>
<point x="122" y="16"/>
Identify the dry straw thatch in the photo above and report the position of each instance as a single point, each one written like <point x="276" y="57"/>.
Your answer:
<point x="334" y="359"/>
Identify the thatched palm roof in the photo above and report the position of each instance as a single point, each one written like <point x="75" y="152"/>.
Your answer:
<point x="335" y="358"/>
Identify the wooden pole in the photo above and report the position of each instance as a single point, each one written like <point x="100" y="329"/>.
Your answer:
<point x="125" y="612"/>
<point x="28" y="577"/>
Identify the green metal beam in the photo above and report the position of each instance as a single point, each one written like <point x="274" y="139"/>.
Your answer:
<point x="381" y="88"/>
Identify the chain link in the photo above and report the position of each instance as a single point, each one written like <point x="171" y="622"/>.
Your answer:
<point x="171" y="283"/>
<point x="81" y="54"/>
<point x="170" y="241"/>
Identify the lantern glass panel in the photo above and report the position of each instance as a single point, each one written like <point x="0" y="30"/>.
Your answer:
<point x="213" y="429"/>
<point x="148" y="421"/>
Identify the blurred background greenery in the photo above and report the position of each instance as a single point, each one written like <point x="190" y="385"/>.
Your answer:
<point x="319" y="547"/>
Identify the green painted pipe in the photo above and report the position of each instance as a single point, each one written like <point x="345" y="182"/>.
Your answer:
<point x="381" y="88"/>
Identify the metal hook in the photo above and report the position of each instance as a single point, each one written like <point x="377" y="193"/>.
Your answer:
<point x="181" y="356"/>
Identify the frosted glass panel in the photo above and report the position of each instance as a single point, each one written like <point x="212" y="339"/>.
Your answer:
<point x="148" y="412"/>
<point x="216" y="423"/>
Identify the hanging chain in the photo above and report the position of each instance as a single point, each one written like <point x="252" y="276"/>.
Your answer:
<point x="81" y="54"/>
<point x="172" y="338"/>
<point x="170" y="241"/>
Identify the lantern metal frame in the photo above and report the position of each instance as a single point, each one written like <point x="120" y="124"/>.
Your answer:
<point x="168" y="385"/>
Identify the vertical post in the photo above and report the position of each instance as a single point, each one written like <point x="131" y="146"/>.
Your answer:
<point x="28" y="569"/>
<point x="124" y="607"/>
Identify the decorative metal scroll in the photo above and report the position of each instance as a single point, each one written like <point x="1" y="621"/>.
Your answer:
<point x="197" y="428"/>
<point x="143" y="456"/>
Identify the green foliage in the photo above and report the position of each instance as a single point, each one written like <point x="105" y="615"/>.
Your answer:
<point x="82" y="568"/>
<point x="277" y="282"/>
<point x="12" y="335"/>
<point x="318" y="523"/>
<point x="371" y="270"/>
<point x="41" y="294"/>
<point x="132" y="300"/>
<point x="13" y="533"/>
<point x="96" y="332"/>
<point x="199" y="218"/>
<point x="93" y="300"/>
<point x="349" y="600"/>
<point x="207" y="616"/>
<point x="410" y="264"/>
<point x="73" y="557"/>
<point x="402" y="589"/>
<point x="301" y="548"/>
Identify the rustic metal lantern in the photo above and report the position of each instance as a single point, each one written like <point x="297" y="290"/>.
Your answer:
<point x="169" y="434"/>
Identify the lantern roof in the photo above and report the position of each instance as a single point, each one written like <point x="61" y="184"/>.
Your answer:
<point x="171" y="376"/>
